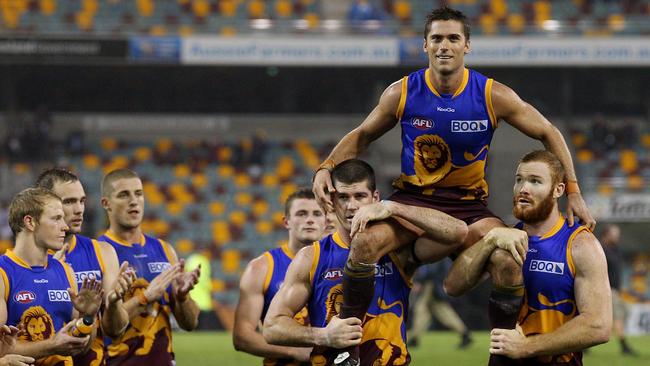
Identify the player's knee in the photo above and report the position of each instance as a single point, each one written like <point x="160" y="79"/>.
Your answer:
<point x="504" y="269"/>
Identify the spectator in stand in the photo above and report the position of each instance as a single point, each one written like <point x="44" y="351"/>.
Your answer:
<point x="361" y="12"/>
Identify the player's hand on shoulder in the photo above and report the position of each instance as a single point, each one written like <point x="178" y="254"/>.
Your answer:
<point x="67" y="345"/>
<point x="16" y="360"/>
<point x="512" y="240"/>
<point x="125" y="278"/>
<point x="60" y="254"/>
<point x="89" y="298"/>
<point x="373" y="212"/>
<point x="576" y="206"/>
<point x="342" y="333"/>
<point x="323" y="189"/>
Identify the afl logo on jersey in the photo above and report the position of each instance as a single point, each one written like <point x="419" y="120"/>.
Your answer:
<point x="25" y="297"/>
<point x="333" y="274"/>
<point x="422" y="123"/>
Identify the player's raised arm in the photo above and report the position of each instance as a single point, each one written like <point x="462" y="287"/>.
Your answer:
<point x="382" y="118"/>
<point x="524" y="117"/>
<point x="590" y="327"/>
<point x="248" y="313"/>
<point x="281" y="328"/>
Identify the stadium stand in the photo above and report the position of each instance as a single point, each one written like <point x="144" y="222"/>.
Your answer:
<point x="227" y="17"/>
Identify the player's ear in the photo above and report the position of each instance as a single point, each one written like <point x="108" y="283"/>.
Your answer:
<point x="29" y="222"/>
<point x="285" y="222"/>
<point x="375" y="196"/>
<point x="559" y="190"/>
<point x="104" y="202"/>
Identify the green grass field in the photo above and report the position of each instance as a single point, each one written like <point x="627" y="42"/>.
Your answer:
<point x="438" y="348"/>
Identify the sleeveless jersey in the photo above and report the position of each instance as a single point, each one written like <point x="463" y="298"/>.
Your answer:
<point x="549" y="299"/>
<point x="147" y="339"/>
<point x="85" y="258"/>
<point x="384" y="327"/>
<point x="37" y="298"/>
<point x="445" y="139"/>
<point x="279" y="260"/>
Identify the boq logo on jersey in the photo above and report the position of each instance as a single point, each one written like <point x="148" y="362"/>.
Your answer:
<point x="422" y="123"/>
<point x="25" y="297"/>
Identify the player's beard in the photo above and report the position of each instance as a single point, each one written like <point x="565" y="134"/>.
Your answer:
<point x="537" y="213"/>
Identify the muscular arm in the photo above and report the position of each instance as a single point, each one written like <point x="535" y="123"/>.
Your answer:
<point x="593" y="324"/>
<point x="115" y="317"/>
<point x="378" y="122"/>
<point x="527" y="119"/>
<point x="469" y="267"/>
<point x="279" y="325"/>
<point x="437" y="225"/>
<point x="249" y="310"/>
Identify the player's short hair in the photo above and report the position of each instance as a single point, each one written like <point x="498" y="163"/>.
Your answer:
<point x="28" y="202"/>
<point x="354" y="171"/>
<point x="554" y="164"/>
<point x="49" y="177"/>
<point x="115" y="175"/>
<point x="446" y="13"/>
<point x="304" y="193"/>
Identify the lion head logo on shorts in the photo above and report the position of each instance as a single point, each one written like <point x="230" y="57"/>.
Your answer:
<point x="334" y="302"/>
<point x="38" y="325"/>
<point x="432" y="158"/>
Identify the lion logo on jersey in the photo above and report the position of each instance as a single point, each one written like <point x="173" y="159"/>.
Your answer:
<point x="334" y="302"/>
<point x="38" y="325"/>
<point x="432" y="158"/>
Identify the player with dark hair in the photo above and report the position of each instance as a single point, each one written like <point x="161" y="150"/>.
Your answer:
<point x="448" y="114"/>
<point x="40" y="292"/>
<point x="90" y="259"/>
<point x="314" y="278"/>
<point x="264" y="275"/>
<point x="564" y="271"/>
<point x="162" y="286"/>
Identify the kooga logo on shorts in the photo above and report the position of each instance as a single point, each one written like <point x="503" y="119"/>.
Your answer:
<point x="546" y="267"/>
<point x="469" y="126"/>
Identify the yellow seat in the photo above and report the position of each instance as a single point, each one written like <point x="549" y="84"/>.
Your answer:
<point x="585" y="156"/>
<point x="228" y="8"/>
<point x="285" y="168"/>
<point x="4" y="245"/>
<point x="230" y="259"/>
<point x="185" y="30"/>
<point x="516" y="23"/>
<point x="579" y="139"/>
<point x="217" y="208"/>
<point x="635" y="182"/>
<point x="142" y="154"/>
<point x="402" y="9"/>
<point x="89" y="6"/>
<point x="283" y="8"/>
<point x="269" y="180"/>
<point x="542" y="10"/>
<point x="48" y="7"/>
<point x="199" y="180"/>
<point x="225" y="171"/>
<point x="182" y="171"/>
<point x="145" y="7"/>
<point x="645" y="140"/>
<point x="242" y="180"/>
<point x="201" y="8"/>
<point x="224" y="154"/>
<point x="91" y="161"/>
<point x="157" y="30"/>
<point x="108" y="144"/>
<point x="228" y="31"/>
<point x="175" y="208"/>
<point x="488" y="23"/>
<point x="260" y="208"/>
<point x="628" y="161"/>
<point x="218" y="285"/>
<point x="238" y="218"/>
<point x="499" y="8"/>
<point x="313" y="20"/>
<point x="278" y="218"/>
<point x="605" y="189"/>
<point x="220" y="232"/>
<point x="164" y="145"/>
<point x="264" y="227"/>
<point x="256" y="9"/>
<point x="287" y="190"/>
<point x="616" y="22"/>
<point x="243" y="199"/>
<point x="184" y="246"/>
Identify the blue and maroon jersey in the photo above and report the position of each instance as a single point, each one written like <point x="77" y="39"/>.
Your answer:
<point x="38" y="299"/>
<point x="85" y="257"/>
<point x="384" y="327"/>
<point x="446" y="138"/>
<point x="549" y="300"/>
<point x="148" y="338"/>
<point x="279" y="260"/>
